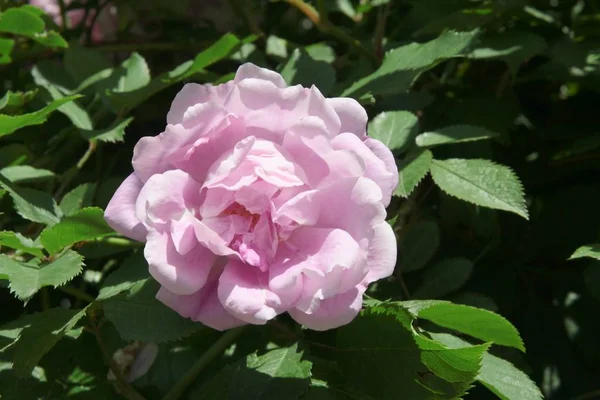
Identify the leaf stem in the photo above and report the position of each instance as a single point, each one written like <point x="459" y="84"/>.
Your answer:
<point x="322" y="22"/>
<point x="70" y="174"/>
<point x="216" y="349"/>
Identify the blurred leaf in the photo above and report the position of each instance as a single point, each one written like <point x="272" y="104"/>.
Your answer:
<point x="498" y="375"/>
<point x="395" y="129"/>
<point x="115" y="133"/>
<point x="591" y="250"/>
<point x="402" y="65"/>
<point x="321" y="52"/>
<point x="131" y="272"/>
<point x="45" y="330"/>
<point x="454" y="134"/>
<point x="137" y="315"/>
<point x="133" y="74"/>
<point x="16" y="99"/>
<point x="513" y="47"/>
<point x="481" y="182"/>
<point x="444" y="277"/>
<point x="591" y="277"/>
<point x="26" y="278"/>
<point x="419" y="245"/>
<point x="20" y="21"/>
<point x="15" y="240"/>
<point x="85" y="224"/>
<point x="32" y="205"/>
<point x="279" y="373"/>
<point x="481" y="324"/>
<point x="411" y="170"/>
<point x="10" y="123"/>
<point x="302" y="69"/>
<point x="80" y="71"/>
<point x="25" y="173"/>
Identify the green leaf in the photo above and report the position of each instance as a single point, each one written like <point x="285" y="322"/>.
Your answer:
<point x="131" y="272"/>
<point x="45" y="330"/>
<point x="591" y="250"/>
<point x="454" y="134"/>
<point x="412" y="170"/>
<point x="402" y="65"/>
<point x="15" y="240"/>
<point x="419" y="245"/>
<point x="279" y="373"/>
<point x="80" y="71"/>
<point x="50" y="39"/>
<point x="9" y="123"/>
<point x="302" y="69"/>
<point x="77" y="198"/>
<point x="27" y="279"/>
<point x="481" y="182"/>
<point x="26" y="173"/>
<point x="500" y="376"/>
<point x="455" y="365"/>
<point x="395" y="129"/>
<point x="481" y="324"/>
<point x="6" y="46"/>
<point x="20" y="21"/>
<point x="133" y="74"/>
<point x="16" y="99"/>
<point x="137" y="315"/>
<point x="32" y="205"/>
<point x="85" y="224"/>
<point x="115" y="133"/>
<point x="444" y="277"/>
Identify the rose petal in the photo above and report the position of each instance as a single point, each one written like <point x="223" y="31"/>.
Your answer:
<point x="192" y="94"/>
<point x="120" y="212"/>
<point x="352" y="115"/>
<point x="251" y="71"/>
<point x="384" y="154"/>
<point x="382" y="253"/>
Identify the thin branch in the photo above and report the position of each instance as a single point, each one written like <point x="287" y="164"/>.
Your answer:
<point x="215" y="350"/>
<point x="70" y="174"/>
<point x="382" y="17"/>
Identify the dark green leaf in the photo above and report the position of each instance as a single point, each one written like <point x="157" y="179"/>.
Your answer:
<point x="395" y="129"/>
<point x="412" y="169"/>
<point x="32" y="205"/>
<point x="77" y="198"/>
<point x="115" y="133"/>
<point x="302" y="69"/>
<point x="419" y="245"/>
<point x="131" y="272"/>
<point x="444" y="277"/>
<point x="6" y="46"/>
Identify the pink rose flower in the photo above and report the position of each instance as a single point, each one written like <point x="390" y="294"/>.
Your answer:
<point x="260" y="199"/>
<point x="104" y="28"/>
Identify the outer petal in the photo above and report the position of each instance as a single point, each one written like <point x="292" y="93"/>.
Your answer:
<point x="244" y="294"/>
<point x="376" y="169"/>
<point x="249" y="70"/>
<point x="120" y="212"/>
<point x="180" y="274"/>
<point x="384" y="154"/>
<point x="333" y="312"/>
<point x="192" y="94"/>
<point x="202" y="306"/>
<point x="352" y="115"/>
<point x="382" y="253"/>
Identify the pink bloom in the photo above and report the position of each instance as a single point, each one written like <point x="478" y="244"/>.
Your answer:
<point x="104" y="28"/>
<point x="260" y="199"/>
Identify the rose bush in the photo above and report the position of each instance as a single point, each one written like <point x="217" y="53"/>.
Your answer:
<point x="260" y="199"/>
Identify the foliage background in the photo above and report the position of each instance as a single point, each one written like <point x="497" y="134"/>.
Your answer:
<point x="522" y="75"/>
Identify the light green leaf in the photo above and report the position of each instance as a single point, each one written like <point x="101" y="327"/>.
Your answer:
<point x="10" y="123"/>
<point x="50" y="39"/>
<point x="395" y="129"/>
<point x="412" y="169"/>
<point x="302" y="69"/>
<point x="27" y="279"/>
<point x="454" y="134"/>
<point x="20" y="21"/>
<point x="591" y="250"/>
<point x="321" y="52"/>
<point x="276" y="47"/>
<point x="44" y="331"/>
<point x="480" y="182"/>
<point x="32" y="205"/>
<point x="419" y="245"/>
<point x="500" y="376"/>
<point x="455" y="365"/>
<point x="26" y="173"/>
<point x="134" y="74"/>
<point x="6" y="46"/>
<point x="16" y="99"/>
<point x="15" y="240"/>
<point x="402" y="65"/>
<point x="131" y="272"/>
<point x="85" y="224"/>
<point x="479" y="323"/>
<point x="138" y="315"/>
<point x="444" y="277"/>
<point x="115" y="133"/>
<point x="77" y="198"/>
<point x="279" y="373"/>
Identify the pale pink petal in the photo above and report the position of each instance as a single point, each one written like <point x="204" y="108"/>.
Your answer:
<point x="352" y="115"/>
<point x="382" y="253"/>
<point x="256" y="198"/>
<point x="384" y="154"/>
<point x="120" y="212"/>
<point x="244" y="293"/>
<point x="375" y="168"/>
<point x="301" y="209"/>
<point x="249" y="70"/>
<point x="192" y="94"/>
<point x="228" y="162"/>
<point x="180" y="274"/>
<point x="333" y="312"/>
